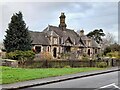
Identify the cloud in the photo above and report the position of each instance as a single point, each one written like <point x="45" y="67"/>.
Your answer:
<point x="86" y="15"/>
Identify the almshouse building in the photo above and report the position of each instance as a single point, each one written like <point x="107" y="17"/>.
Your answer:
<point x="57" y="40"/>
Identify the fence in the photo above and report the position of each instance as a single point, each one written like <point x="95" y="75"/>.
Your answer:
<point x="67" y="63"/>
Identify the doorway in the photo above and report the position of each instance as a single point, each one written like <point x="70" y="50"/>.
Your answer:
<point x="89" y="52"/>
<point x="55" y="52"/>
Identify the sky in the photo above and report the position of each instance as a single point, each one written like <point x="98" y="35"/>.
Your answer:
<point x="79" y="15"/>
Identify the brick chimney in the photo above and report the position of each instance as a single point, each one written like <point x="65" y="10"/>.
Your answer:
<point x="62" y="21"/>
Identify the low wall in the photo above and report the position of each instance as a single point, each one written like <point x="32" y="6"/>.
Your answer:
<point x="9" y="62"/>
<point x="67" y="63"/>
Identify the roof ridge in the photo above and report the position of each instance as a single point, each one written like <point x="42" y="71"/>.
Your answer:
<point x="59" y="27"/>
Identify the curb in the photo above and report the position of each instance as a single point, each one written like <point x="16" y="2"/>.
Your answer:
<point x="60" y="80"/>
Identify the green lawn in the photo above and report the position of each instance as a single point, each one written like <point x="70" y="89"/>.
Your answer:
<point x="12" y="75"/>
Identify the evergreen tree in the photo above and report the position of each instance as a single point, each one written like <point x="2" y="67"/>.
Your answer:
<point x="17" y="35"/>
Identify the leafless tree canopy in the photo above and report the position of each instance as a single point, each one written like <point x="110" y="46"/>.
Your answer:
<point x="109" y="39"/>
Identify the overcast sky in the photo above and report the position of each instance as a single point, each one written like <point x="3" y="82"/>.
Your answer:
<point x="79" y="15"/>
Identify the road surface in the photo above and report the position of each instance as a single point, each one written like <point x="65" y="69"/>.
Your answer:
<point x="108" y="80"/>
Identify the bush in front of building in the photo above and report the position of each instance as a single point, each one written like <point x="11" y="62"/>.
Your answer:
<point x="85" y="57"/>
<point x="67" y="66"/>
<point x="101" y="64"/>
<point x="20" y="55"/>
<point x="66" y="55"/>
<point x="46" y="56"/>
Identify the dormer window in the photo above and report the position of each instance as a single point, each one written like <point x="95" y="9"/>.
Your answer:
<point x="68" y="42"/>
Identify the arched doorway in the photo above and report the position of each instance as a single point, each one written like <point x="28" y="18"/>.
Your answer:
<point x="55" y="52"/>
<point x="89" y="52"/>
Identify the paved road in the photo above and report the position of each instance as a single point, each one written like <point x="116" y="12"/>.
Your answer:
<point x="97" y="81"/>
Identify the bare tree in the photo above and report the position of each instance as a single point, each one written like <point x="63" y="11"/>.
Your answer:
<point x="109" y="38"/>
<point x="107" y="41"/>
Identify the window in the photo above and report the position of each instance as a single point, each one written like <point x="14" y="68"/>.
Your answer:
<point x="55" y="40"/>
<point x="67" y="43"/>
<point x="59" y="40"/>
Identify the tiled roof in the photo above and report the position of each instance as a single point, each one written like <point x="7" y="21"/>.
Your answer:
<point x="64" y="33"/>
<point x="84" y="37"/>
<point x="39" y="38"/>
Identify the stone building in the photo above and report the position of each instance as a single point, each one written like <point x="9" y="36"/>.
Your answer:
<point x="57" y="40"/>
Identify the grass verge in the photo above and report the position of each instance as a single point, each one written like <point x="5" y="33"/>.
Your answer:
<point x="12" y="75"/>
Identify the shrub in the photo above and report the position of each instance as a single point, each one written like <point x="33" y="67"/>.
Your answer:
<point x="109" y="54"/>
<point x="12" y="55"/>
<point x="85" y="57"/>
<point x="65" y="55"/>
<point x="21" y="55"/>
<point x="56" y="66"/>
<point x="101" y="64"/>
<point x="45" y="56"/>
<point x="67" y="66"/>
<point x="113" y="54"/>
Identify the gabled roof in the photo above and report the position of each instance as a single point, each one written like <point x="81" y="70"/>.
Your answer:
<point x="51" y="32"/>
<point x="42" y="37"/>
<point x="39" y="38"/>
<point x="68" y="39"/>
<point x="74" y="37"/>
<point x="94" y="44"/>
<point x="81" y="43"/>
<point x="84" y="37"/>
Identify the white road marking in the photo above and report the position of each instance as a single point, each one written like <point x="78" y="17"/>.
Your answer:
<point x="107" y="85"/>
<point x="116" y="86"/>
<point x="113" y="84"/>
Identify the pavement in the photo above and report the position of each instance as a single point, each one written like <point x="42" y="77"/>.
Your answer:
<point x="31" y="83"/>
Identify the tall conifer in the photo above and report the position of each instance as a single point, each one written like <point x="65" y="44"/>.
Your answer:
<point x="17" y="35"/>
